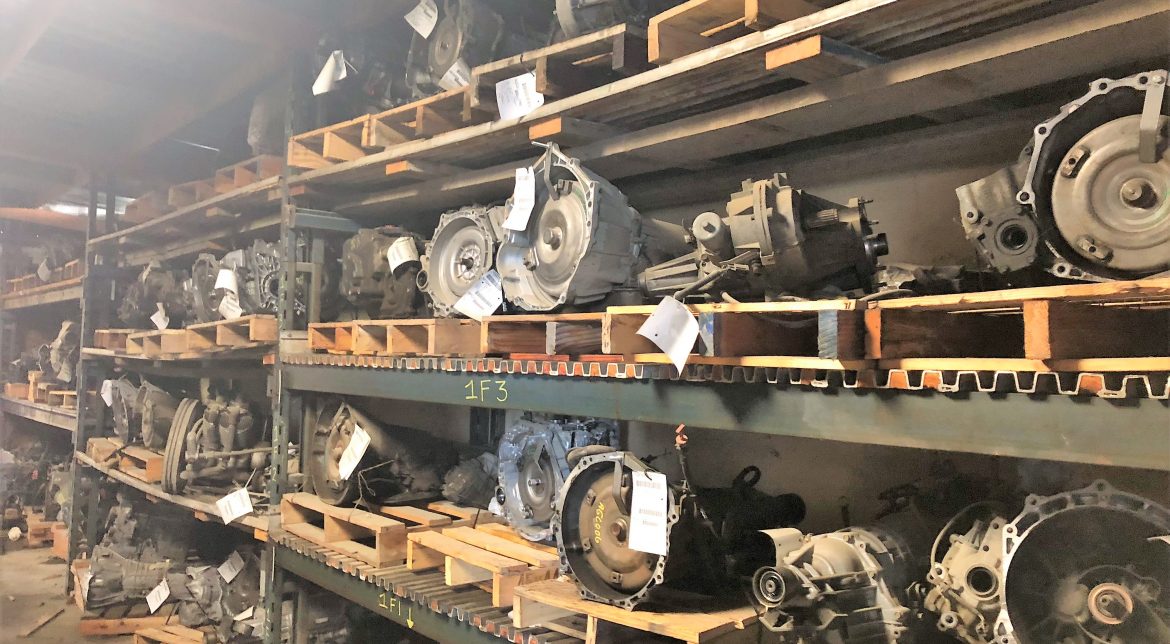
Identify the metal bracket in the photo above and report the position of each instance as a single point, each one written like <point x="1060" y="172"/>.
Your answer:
<point x="1151" y="117"/>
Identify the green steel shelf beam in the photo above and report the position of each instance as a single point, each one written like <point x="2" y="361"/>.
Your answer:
<point x="1131" y="433"/>
<point x="419" y="618"/>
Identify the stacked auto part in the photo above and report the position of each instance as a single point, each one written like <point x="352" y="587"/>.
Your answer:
<point x="379" y="272"/>
<point x="533" y="464"/>
<point x="156" y="290"/>
<point x="710" y="534"/>
<point x="1088" y="199"/>
<point x="242" y="282"/>
<point x="775" y="240"/>
<point x="460" y="252"/>
<point x="216" y="438"/>
<point x="58" y="359"/>
<point x="1086" y="566"/>
<point x="577" y="17"/>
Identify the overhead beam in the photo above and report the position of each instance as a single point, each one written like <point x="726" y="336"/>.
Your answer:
<point x="24" y="31"/>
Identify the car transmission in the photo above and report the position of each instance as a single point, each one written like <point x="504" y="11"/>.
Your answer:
<point x="581" y="241"/>
<point x="533" y="464"/>
<point x="1089" y="198"/>
<point x="154" y="290"/>
<point x="710" y="533"/>
<point x="775" y="240"/>
<point x="461" y="251"/>
<point x="1087" y="566"/>
<point x="577" y="18"/>
<point x="379" y="272"/>
<point x="58" y="359"/>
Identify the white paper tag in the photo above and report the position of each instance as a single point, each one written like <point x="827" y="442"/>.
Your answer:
<point x="229" y="307"/>
<point x="244" y="614"/>
<point x="234" y="505"/>
<point x="517" y="96"/>
<point x="158" y="596"/>
<point x="402" y="251"/>
<point x="523" y="200"/>
<point x="232" y="567"/>
<point x="86" y="577"/>
<point x="648" y="513"/>
<point x="108" y="392"/>
<point x="673" y="329"/>
<point x="354" y="452"/>
<point x="423" y="17"/>
<point x="482" y="299"/>
<point x="160" y="318"/>
<point x="459" y="75"/>
<point x="43" y="271"/>
<point x="333" y="71"/>
<point x="226" y="279"/>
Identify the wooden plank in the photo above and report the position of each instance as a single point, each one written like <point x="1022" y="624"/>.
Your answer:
<point x="1147" y="290"/>
<point x="41" y="621"/>
<point x="818" y="58"/>
<point x="415" y="515"/>
<point x="698" y="24"/>
<point x="900" y="333"/>
<point x="1061" y="329"/>
<point x="467" y="553"/>
<point x="124" y="626"/>
<point x="503" y="547"/>
<point x="568" y="131"/>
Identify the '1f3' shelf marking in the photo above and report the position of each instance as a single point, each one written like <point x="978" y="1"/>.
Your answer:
<point x="485" y="390"/>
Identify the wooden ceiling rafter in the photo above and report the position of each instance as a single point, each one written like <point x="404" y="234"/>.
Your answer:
<point x="27" y="28"/>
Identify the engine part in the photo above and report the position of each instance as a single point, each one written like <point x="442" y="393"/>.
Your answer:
<point x="135" y="552"/>
<point x="844" y="586"/>
<point x="217" y="438"/>
<point x="533" y="464"/>
<point x="58" y="359"/>
<point x="578" y="17"/>
<point x="156" y="409"/>
<point x="1085" y="566"/>
<point x="775" y="240"/>
<point x="1088" y="199"/>
<point x="581" y="241"/>
<point x="379" y="272"/>
<point x="472" y="482"/>
<point x="155" y="287"/>
<point x="126" y="411"/>
<point x="461" y="251"/>
<point x="205" y="298"/>
<point x="708" y="543"/>
<point x="398" y="462"/>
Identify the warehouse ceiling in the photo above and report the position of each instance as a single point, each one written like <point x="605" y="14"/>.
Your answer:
<point x="112" y="86"/>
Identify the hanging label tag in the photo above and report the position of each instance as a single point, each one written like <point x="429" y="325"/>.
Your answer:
<point x="648" y="513"/>
<point x="402" y="251"/>
<point x="354" y="452"/>
<point x="459" y="75"/>
<point x="523" y="200"/>
<point x="673" y="329"/>
<point x="482" y="299"/>
<point x="226" y="279"/>
<point x="108" y="392"/>
<point x="244" y="614"/>
<point x="229" y="307"/>
<point x="43" y="271"/>
<point x="160" y="318"/>
<point x="333" y="72"/>
<point x="234" y="505"/>
<point x="517" y="96"/>
<point x="158" y="596"/>
<point x="423" y="17"/>
<point x="231" y="567"/>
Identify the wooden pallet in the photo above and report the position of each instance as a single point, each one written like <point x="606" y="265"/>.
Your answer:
<point x="66" y="398"/>
<point x="566" y="68"/>
<point x="16" y="390"/>
<point x="544" y="603"/>
<point x="1116" y="326"/>
<point x="551" y="334"/>
<point x="170" y="634"/>
<point x="415" y="337"/>
<point x="138" y="461"/>
<point x="40" y="393"/>
<point x="332" y="337"/>
<point x="127" y="619"/>
<point x="349" y="531"/>
<point x="146" y="207"/>
<point x="820" y="334"/>
<point x="60" y="541"/>
<point x="698" y="24"/>
<point x="242" y="331"/>
<point x="40" y="531"/>
<point x="247" y="172"/>
<point x="156" y="343"/>
<point x="192" y="192"/>
<point x="328" y="145"/>
<point x="470" y="556"/>
<point x="422" y="119"/>
<point x="114" y="339"/>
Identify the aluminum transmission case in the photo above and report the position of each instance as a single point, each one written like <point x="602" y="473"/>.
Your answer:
<point x="461" y="251"/>
<point x="371" y="283"/>
<point x="582" y="240"/>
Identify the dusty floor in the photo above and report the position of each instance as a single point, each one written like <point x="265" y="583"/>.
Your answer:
<point x="32" y="586"/>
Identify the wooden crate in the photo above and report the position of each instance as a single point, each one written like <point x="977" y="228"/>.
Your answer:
<point x="564" y="69"/>
<point x="544" y="603"/>
<point x="127" y="619"/>
<point x="698" y="24"/>
<point x="249" y="330"/>
<point x="344" y="529"/>
<point x="1115" y="326"/>
<point x="469" y="556"/>
<point x="328" y="145"/>
<point x="112" y="339"/>
<point x="247" y="172"/>
<point x="416" y="337"/>
<point x="40" y="531"/>
<point x="333" y="337"/>
<point x="821" y="334"/>
<point x="421" y="119"/>
<point x="171" y="634"/>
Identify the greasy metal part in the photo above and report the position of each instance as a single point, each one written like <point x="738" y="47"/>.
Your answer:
<point x="844" y="586"/>
<point x="1079" y="567"/>
<point x="710" y="533"/>
<point x="579" y="17"/>
<point x="398" y="460"/>
<point x="582" y="239"/>
<point x="153" y="287"/>
<point x="460" y="252"/>
<point x="58" y="359"/>
<point x="472" y="482"/>
<point x="188" y="412"/>
<point x="205" y="298"/>
<point x="533" y="465"/>
<point x="467" y="33"/>
<point x="775" y="240"/>
<point x="126" y="412"/>
<point x="369" y="282"/>
<point x="157" y="409"/>
<point x="1088" y="199"/>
